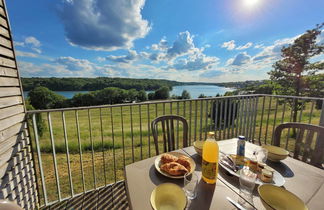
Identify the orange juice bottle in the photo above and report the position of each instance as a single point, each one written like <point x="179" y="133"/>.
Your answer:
<point x="210" y="159"/>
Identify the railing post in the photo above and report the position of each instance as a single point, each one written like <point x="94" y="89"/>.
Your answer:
<point x="321" y="122"/>
<point x="319" y="152"/>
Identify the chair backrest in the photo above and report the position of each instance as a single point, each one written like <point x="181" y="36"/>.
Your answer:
<point x="168" y="131"/>
<point x="303" y="149"/>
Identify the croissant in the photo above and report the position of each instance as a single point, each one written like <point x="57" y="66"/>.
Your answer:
<point x="167" y="158"/>
<point x="174" y="169"/>
<point x="184" y="161"/>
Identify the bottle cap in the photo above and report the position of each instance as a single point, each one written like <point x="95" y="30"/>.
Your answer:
<point x="211" y="134"/>
<point x="241" y="137"/>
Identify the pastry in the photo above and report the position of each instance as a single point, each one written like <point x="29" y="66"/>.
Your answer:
<point x="269" y="169"/>
<point x="261" y="166"/>
<point x="167" y="158"/>
<point x="253" y="164"/>
<point x="174" y="169"/>
<point x="266" y="176"/>
<point x="183" y="160"/>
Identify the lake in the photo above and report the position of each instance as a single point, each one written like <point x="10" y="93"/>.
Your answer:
<point x="66" y="94"/>
<point x="194" y="90"/>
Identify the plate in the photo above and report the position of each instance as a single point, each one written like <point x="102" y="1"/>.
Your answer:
<point x="278" y="179"/>
<point x="273" y="197"/>
<point x="168" y="196"/>
<point x="157" y="164"/>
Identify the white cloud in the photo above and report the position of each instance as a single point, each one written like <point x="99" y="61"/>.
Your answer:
<point x="273" y="52"/>
<point x="230" y="45"/>
<point x="102" y="24"/>
<point x="74" y="64"/>
<point x="240" y="59"/>
<point x="181" y="46"/>
<point x="28" y="69"/>
<point x="26" y="54"/>
<point x="132" y="56"/>
<point x="39" y="51"/>
<point x="320" y="38"/>
<point x="182" y="55"/>
<point x="156" y="57"/>
<point x="100" y="59"/>
<point x="247" y="45"/>
<point x="198" y="61"/>
<point x="162" y="45"/>
<point x="258" y="46"/>
<point x="19" y="44"/>
<point x="32" y="41"/>
<point x="66" y="67"/>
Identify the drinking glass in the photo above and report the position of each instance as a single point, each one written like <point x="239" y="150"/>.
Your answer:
<point x="190" y="185"/>
<point x="261" y="155"/>
<point x="247" y="183"/>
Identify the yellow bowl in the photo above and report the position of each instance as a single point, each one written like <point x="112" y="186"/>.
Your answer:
<point x="278" y="198"/>
<point x="276" y="153"/>
<point x="168" y="196"/>
<point x="198" y="145"/>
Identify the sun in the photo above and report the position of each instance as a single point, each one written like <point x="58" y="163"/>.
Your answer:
<point x="250" y="3"/>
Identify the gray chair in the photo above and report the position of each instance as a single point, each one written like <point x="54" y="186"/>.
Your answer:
<point x="168" y="131"/>
<point x="303" y="149"/>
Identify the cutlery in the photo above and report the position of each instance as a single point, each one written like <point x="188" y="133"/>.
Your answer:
<point x="236" y="204"/>
<point x="233" y="168"/>
<point x="229" y="162"/>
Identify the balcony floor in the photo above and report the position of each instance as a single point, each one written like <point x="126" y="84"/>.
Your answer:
<point x="109" y="197"/>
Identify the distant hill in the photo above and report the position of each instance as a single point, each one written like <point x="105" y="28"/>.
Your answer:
<point x="236" y="85"/>
<point x="99" y="83"/>
<point x="90" y="84"/>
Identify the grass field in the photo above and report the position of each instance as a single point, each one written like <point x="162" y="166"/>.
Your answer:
<point x="120" y="136"/>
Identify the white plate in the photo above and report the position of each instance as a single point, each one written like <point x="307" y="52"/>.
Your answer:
<point x="157" y="164"/>
<point x="278" y="180"/>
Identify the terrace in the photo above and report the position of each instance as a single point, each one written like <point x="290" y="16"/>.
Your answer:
<point x="76" y="157"/>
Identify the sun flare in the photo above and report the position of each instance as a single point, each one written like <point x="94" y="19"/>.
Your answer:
<point x="250" y="3"/>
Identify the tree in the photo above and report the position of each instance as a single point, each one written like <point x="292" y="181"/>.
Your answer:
<point x="162" y="93"/>
<point x="202" y="96"/>
<point x="151" y="96"/>
<point x="264" y="89"/>
<point x="290" y="72"/>
<point x="43" y="98"/>
<point x="84" y="99"/>
<point x="316" y="88"/>
<point x="141" y="95"/>
<point x="40" y="123"/>
<point x="185" y="95"/>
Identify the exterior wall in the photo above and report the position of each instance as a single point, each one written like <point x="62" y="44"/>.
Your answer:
<point x="17" y="174"/>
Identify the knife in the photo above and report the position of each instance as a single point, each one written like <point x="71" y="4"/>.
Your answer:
<point x="236" y="204"/>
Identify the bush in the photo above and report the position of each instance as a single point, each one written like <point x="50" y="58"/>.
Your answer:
<point x="43" y="98"/>
<point x="162" y="93"/>
<point x="40" y="123"/>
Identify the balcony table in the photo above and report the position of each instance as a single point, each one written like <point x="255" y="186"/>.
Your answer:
<point x="302" y="179"/>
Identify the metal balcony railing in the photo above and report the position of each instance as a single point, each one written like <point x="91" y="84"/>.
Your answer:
<point x="77" y="150"/>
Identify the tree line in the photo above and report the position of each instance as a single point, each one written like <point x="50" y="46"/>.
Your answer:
<point x="44" y="98"/>
<point x="99" y="83"/>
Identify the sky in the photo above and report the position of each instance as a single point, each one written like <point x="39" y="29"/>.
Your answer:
<point x="182" y="40"/>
